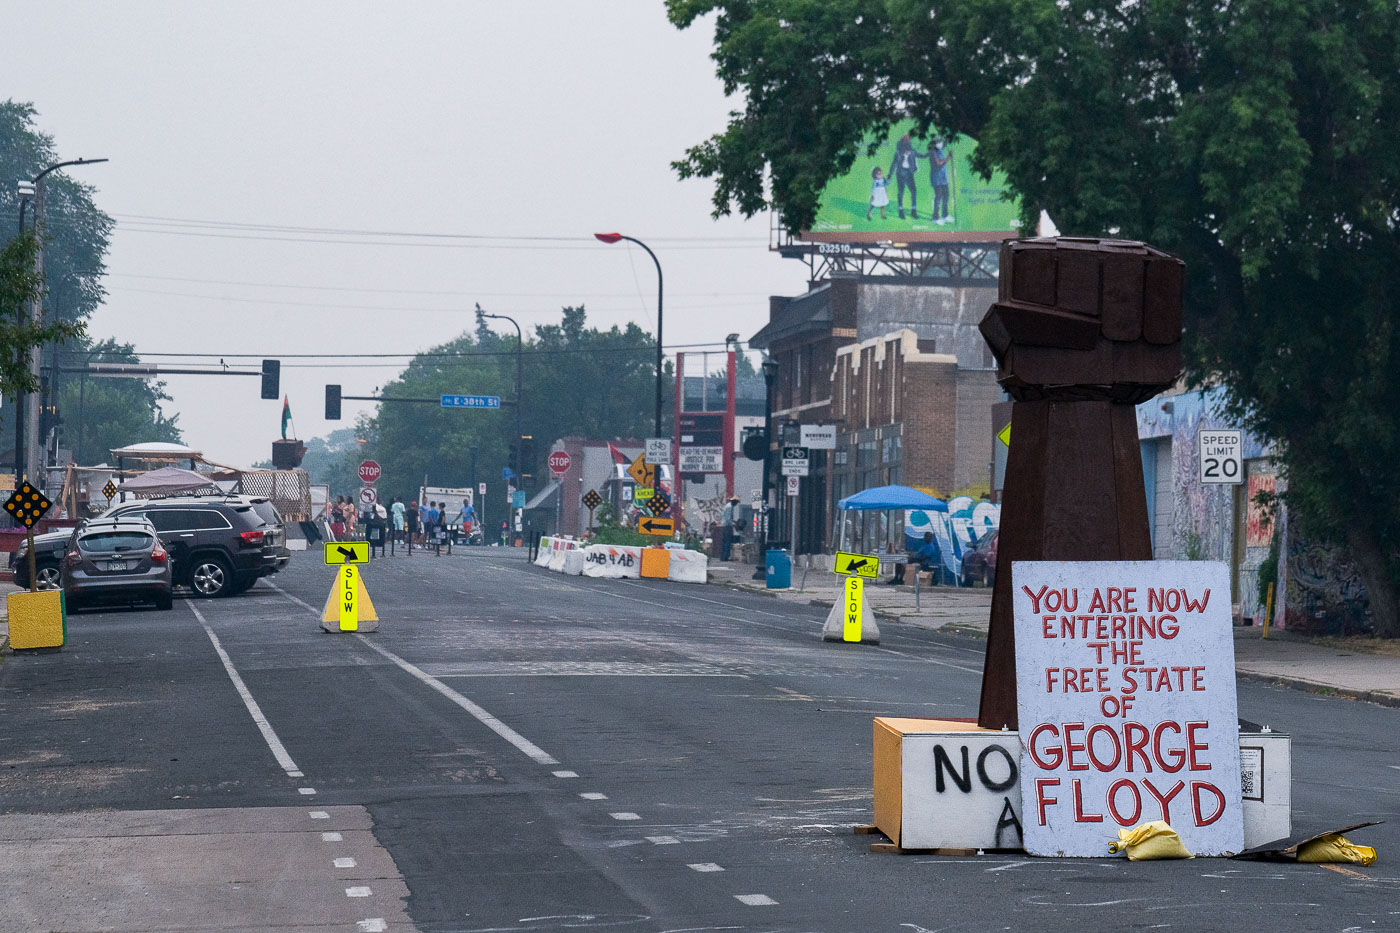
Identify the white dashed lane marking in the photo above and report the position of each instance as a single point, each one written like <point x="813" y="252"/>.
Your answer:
<point x="306" y="791"/>
<point x="704" y="866"/>
<point x="624" y="816"/>
<point x="755" y="900"/>
<point x="344" y="863"/>
<point x="372" y="925"/>
<point x="331" y="837"/>
<point x="594" y="795"/>
<point x="320" y="815"/>
<point x="663" y="840"/>
<point x="358" y="891"/>
<point x="566" y="774"/>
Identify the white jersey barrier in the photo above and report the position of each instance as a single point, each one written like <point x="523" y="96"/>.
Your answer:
<point x="612" y="561"/>
<point x="687" y="566"/>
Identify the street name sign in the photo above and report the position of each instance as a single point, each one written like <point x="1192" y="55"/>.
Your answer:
<point x="649" y="525"/>
<point x="861" y="565"/>
<point x="1222" y="459"/>
<point x="347" y="552"/>
<point x="658" y="451"/>
<point x="795" y="460"/>
<point x="471" y="401"/>
<point x="818" y="436"/>
<point x="1125" y="694"/>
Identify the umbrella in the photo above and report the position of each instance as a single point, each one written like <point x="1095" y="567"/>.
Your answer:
<point x="892" y="497"/>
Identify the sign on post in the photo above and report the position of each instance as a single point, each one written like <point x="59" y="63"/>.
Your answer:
<point x="702" y="460"/>
<point x="861" y="565"/>
<point x="559" y="462"/>
<point x="642" y="474"/>
<point x="470" y="401"/>
<point x="658" y="451"/>
<point x="346" y="552"/>
<point x="369" y="472"/>
<point x="481" y="489"/>
<point x="592" y="500"/>
<point x="517" y="499"/>
<point x="854" y="596"/>
<point x="649" y="525"/>
<point x="794" y="485"/>
<point x="1125" y="689"/>
<point x="818" y="436"/>
<point x="368" y="497"/>
<point x="1222" y="459"/>
<point x="795" y="460"/>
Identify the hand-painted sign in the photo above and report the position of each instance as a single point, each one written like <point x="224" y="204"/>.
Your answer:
<point x="1125" y="685"/>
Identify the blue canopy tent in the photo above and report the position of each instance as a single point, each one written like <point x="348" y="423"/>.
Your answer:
<point x="889" y="499"/>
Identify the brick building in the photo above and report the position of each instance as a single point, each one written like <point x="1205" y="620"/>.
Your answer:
<point x="898" y="365"/>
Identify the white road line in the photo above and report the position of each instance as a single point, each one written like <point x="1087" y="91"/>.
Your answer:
<point x="279" y="751"/>
<point x="344" y="863"/>
<point x="565" y="774"/>
<point x="532" y="750"/>
<point x="755" y="900"/>
<point x="332" y="837"/>
<point x="624" y="816"/>
<point x="358" y="891"/>
<point x="320" y="815"/>
<point x="372" y="925"/>
<point x="306" y="791"/>
<point x="594" y="795"/>
<point x="663" y="840"/>
<point x="704" y="866"/>
<point x="529" y="748"/>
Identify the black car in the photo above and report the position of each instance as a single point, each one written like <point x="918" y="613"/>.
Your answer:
<point x="979" y="563"/>
<point x="220" y="545"/>
<point x="49" y="549"/>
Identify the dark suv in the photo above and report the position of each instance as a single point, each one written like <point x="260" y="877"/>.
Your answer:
<point x="220" y="545"/>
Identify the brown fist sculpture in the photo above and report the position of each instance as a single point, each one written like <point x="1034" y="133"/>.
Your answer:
<point x="1082" y="331"/>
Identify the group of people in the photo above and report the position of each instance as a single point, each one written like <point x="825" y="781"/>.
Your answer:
<point x="903" y="168"/>
<point x="411" y="523"/>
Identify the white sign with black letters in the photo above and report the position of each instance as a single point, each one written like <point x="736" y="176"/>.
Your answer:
<point x="1125" y="692"/>
<point x="1222" y="459"/>
<point x="658" y="451"/>
<point x="795" y="460"/>
<point x="818" y="436"/>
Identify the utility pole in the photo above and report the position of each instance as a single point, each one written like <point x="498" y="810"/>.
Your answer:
<point x="33" y="465"/>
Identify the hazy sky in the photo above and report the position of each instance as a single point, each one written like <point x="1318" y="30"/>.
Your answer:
<point x="539" y="119"/>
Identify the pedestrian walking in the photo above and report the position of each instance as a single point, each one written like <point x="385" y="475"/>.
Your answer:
<point x="726" y="527"/>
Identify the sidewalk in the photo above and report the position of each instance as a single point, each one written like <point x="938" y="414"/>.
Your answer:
<point x="1282" y="659"/>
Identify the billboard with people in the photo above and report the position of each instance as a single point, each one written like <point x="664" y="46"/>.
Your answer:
<point x="915" y="190"/>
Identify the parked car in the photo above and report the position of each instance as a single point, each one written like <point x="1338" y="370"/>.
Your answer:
<point x="116" y="560"/>
<point x="979" y="563"/>
<point x="220" y="545"/>
<point x="49" y="549"/>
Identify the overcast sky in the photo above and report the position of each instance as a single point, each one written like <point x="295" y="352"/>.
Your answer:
<point x="539" y="119"/>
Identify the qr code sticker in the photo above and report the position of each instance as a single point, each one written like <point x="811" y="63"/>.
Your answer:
<point x="1252" y="772"/>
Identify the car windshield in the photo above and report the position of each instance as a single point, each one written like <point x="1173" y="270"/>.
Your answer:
<point x="116" y="541"/>
<point x="267" y="513"/>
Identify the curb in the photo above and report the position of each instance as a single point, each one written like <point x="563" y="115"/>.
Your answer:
<point x="1308" y="686"/>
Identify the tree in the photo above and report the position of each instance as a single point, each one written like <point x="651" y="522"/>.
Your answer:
<point x="1253" y="139"/>
<point x="19" y="335"/>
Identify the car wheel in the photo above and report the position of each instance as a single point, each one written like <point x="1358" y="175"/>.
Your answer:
<point x="987" y="576"/>
<point x="48" y="577"/>
<point x="210" y="577"/>
<point x="164" y="601"/>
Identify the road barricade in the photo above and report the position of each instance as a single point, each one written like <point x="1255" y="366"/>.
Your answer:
<point x="687" y="567"/>
<point x="656" y="562"/>
<point x="612" y="561"/>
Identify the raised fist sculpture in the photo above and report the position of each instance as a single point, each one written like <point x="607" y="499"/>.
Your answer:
<point x="1082" y="331"/>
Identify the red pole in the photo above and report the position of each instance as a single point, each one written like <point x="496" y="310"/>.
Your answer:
<point x="678" y="507"/>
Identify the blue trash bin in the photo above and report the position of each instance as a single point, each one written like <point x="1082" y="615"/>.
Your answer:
<point x="778" y="569"/>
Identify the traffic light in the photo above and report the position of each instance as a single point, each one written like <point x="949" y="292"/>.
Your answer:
<point x="332" y="403"/>
<point x="527" y="460"/>
<point x="271" y="376"/>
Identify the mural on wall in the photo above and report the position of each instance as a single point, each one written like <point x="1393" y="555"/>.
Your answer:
<point x="1259" y="525"/>
<point x="1324" y="593"/>
<point x="966" y="520"/>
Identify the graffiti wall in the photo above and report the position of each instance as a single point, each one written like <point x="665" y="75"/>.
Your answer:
<point x="966" y="520"/>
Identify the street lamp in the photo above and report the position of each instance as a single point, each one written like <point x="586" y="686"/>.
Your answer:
<point x="770" y="375"/>
<point x="36" y="315"/>
<point x="517" y="466"/>
<point x="613" y="238"/>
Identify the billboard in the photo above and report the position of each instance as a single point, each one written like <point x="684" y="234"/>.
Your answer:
<point x="915" y="191"/>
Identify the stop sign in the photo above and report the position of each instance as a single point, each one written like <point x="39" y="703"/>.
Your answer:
<point x="369" y="472"/>
<point x="559" y="462"/>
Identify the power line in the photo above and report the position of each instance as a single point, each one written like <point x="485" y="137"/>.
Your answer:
<point x="420" y="245"/>
<point x="647" y="348"/>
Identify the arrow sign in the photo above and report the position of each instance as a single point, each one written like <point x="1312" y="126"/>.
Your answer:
<point x="657" y="526"/>
<point x="347" y="552"/>
<point x="862" y="565"/>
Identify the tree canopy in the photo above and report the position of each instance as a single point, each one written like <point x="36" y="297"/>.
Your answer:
<point x="1254" y="139"/>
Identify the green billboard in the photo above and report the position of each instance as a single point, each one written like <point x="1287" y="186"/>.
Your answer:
<point x="915" y="191"/>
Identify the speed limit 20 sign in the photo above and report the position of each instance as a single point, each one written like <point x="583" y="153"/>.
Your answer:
<point x="1222" y="459"/>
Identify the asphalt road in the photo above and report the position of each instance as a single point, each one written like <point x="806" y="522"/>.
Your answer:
<point x="539" y="752"/>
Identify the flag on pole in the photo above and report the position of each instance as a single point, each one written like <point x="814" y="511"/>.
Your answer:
<point x="286" y="416"/>
<point x="617" y="455"/>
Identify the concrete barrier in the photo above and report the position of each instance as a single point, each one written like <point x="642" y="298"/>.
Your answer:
<point x="688" y="567"/>
<point x="612" y="561"/>
<point x="573" y="562"/>
<point x="542" y="558"/>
